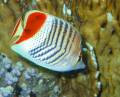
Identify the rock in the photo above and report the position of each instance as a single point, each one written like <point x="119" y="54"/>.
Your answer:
<point x="6" y="91"/>
<point x="19" y="66"/>
<point x="25" y="90"/>
<point x="10" y="78"/>
<point x="6" y="62"/>
<point x="29" y="73"/>
<point x="109" y="17"/>
<point x="2" y="72"/>
<point x="16" y="72"/>
<point x="57" y="90"/>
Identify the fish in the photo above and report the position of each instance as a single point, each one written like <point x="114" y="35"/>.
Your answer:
<point x="48" y="41"/>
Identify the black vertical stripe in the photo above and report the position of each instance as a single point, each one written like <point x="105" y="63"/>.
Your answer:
<point x="56" y="42"/>
<point x="69" y="37"/>
<point x="49" y="33"/>
<point x="64" y="33"/>
<point x="61" y="44"/>
<point x="52" y="31"/>
<point x="66" y="52"/>
<point x="37" y="48"/>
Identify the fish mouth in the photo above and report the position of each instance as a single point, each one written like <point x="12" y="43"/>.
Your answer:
<point x="27" y="26"/>
<point x="17" y="32"/>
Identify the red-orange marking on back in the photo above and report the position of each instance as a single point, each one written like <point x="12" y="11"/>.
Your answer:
<point x="33" y="24"/>
<point x="16" y="26"/>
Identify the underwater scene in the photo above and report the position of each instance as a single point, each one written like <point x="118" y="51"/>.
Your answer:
<point x="59" y="48"/>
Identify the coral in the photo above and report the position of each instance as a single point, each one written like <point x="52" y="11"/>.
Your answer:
<point x="6" y="91"/>
<point x="99" y="24"/>
<point x="16" y="80"/>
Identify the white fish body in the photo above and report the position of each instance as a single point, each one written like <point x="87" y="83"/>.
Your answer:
<point x="48" y="41"/>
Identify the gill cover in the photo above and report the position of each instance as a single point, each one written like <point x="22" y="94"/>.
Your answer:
<point x="48" y="41"/>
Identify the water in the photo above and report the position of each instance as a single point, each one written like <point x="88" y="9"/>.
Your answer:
<point x="98" y="23"/>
